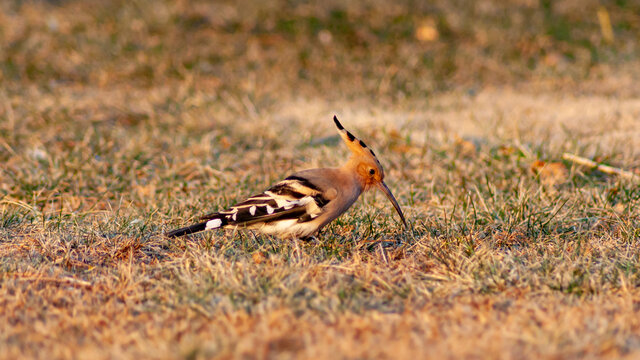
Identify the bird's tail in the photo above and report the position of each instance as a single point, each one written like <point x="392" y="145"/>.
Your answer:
<point x="214" y="221"/>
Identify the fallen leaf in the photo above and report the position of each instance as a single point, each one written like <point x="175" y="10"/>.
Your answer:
<point x="258" y="257"/>
<point x="403" y="149"/>
<point x="619" y="208"/>
<point x="225" y="143"/>
<point x="550" y="173"/>
<point x="465" y="147"/>
<point x="427" y="32"/>
<point x="552" y="59"/>
<point x="145" y="191"/>
<point x="395" y="134"/>
<point x="506" y="150"/>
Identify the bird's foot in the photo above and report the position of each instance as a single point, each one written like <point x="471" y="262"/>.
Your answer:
<point x="308" y="239"/>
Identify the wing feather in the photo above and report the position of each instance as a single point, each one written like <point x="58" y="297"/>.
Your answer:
<point x="293" y="198"/>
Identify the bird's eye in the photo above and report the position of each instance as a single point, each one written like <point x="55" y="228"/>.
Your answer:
<point x="371" y="171"/>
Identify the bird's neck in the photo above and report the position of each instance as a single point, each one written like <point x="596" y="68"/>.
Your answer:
<point x="350" y="168"/>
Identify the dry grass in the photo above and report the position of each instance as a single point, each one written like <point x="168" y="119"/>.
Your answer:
<point x="119" y="121"/>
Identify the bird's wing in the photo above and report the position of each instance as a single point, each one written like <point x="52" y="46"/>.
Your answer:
<point x="293" y="198"/>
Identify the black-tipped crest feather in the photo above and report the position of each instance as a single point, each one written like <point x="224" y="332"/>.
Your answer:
<point x="350" y="136"/>
<point x="335" y="120"/>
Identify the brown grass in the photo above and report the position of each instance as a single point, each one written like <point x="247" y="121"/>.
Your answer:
<point x="121" y="120"/>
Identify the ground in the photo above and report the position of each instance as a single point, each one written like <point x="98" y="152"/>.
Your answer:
<point x="120" y="120"/>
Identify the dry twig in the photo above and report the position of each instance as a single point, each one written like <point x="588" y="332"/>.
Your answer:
<point x="600" y="167"/>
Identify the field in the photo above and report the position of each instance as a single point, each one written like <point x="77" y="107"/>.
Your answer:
<point x="121" y="120"/>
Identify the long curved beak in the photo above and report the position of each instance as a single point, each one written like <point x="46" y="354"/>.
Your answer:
<point x="383" y="187"/>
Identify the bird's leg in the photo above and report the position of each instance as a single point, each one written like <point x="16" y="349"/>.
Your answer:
<point x="309" y="238"/>
<point x="255" y="238"/>
<point x="297" y="249"/>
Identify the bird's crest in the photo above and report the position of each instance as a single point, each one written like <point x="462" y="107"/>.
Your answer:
<point x="357" y="146"/>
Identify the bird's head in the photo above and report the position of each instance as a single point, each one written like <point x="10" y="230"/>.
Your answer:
<point x="366" y="165"/>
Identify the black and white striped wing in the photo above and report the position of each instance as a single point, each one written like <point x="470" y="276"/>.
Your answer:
<point x="293" y="198"/>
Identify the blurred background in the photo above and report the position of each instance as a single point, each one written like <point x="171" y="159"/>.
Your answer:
<point x="382" y="50"/>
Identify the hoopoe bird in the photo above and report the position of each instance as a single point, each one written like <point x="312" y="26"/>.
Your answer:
<point x="306" y="201"/>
